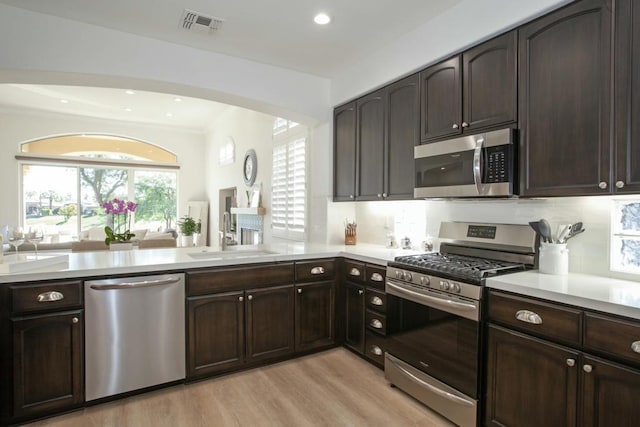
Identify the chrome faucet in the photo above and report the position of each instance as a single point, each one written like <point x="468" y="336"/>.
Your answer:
<point x="226" y="226"/>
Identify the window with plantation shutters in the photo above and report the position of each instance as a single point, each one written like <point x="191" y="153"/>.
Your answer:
<point x="289" y="181"/>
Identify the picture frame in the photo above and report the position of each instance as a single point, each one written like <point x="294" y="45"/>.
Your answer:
<point x="254" y="202"/>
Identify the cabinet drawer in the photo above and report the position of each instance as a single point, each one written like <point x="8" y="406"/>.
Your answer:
<point x="315" y="270"/>
<point x="376" y="276"/>
<point x="353" y="271"/>
<point x="238" y="278"/>
<point x="615" y="337"/>
<point x="45" y="296"/>
<point x="538" y="318"/>
<point x="374" y="348"/>
<point x="376" y="300"/>
<point x="376" y="322"/>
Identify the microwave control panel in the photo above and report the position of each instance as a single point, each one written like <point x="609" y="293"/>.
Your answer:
<point x="497" y="166"/>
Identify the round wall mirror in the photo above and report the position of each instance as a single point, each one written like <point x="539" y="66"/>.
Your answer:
<point x="250" y="167"/>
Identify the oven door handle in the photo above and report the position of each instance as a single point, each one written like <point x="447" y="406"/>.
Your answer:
<point x="431" y="387"/>
<point x="477" y="167"/>
<point x="440" y="302"/>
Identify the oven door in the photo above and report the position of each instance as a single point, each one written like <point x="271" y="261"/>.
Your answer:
<point x="433" y="351"/>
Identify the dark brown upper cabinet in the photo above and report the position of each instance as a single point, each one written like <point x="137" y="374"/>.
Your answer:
<point x="374" y="138"/>
<point x="370" y="146"/>
<point x="344" y="152"/>
<point x="471" y="91"/>
<point x="627" y="97"/>
<point x="565" y="101"/>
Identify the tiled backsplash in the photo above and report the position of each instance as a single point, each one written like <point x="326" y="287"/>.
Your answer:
<point x="588" y="252"/>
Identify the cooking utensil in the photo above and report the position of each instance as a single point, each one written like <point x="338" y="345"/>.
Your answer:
<point x="563" y="232"/>
<point x="545" y="231"/>
<point x="575" y="234"/>
<point x="576" y="227"/>
<point x="536" y="227"/>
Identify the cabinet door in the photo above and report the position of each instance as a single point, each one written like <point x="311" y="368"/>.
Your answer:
<point x="215" y="328"/>
<point x="610" y="394"/>
<point x="370" y="152"/>
<point x="344" y="152"/>
<point x="354" y="316"/>
<point x="564" y="97"/>
<point x="440" y="100"/>
<point x="489" y="89"/>
<point x="530" y="382"/>
<point x="315" y="315"/>
<point x="402" y="135"/>
<point x="627" y="96"/>
<point x="270" y="313"/>
<point x="47" y="363"/>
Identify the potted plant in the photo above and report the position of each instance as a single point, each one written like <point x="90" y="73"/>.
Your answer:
<point x="120" y="233"/>
<point x="188" y="227"/>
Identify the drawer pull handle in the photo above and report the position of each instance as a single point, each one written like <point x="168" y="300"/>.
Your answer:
<point x="635" y="346"/>
<point x="317" y="270"/>
<point x="378" y="301"/>
<point x="354" y="272"/>
<point x="75" y="320"/>
<point x="529" y="317"/>
<point x="377" y="277"/>
<point x="376" y="350"/>
<point x="50" y="296"/>
<point x="299" y="290"/>
<point x="571" y="362"/>
<point x="376" y="324"/>
<point x="587" y="368"/>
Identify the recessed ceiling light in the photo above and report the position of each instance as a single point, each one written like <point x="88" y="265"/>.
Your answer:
<point x="64" y="101"/>
<point x="128" y="109"/>
<point x="169" y="115"/>
<point x="322" y="19"/>
<point x="129" y="92"/>
<point x="177" y="99"/>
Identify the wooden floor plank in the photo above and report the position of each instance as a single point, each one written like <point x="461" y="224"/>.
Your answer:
<point x="332" y="388"/>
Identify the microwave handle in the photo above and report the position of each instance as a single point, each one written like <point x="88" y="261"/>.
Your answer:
<point x="477" y="161"/>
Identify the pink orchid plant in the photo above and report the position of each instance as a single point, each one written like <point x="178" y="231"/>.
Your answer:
<point x="120" y="210"/>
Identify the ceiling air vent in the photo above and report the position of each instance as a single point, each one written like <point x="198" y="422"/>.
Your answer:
<point x="192" y="20"/>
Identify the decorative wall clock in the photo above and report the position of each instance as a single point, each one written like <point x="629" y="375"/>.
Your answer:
<point x="250" y="167"/>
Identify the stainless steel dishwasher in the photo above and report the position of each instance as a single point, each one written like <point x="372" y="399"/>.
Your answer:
<point x="134" y="333"/>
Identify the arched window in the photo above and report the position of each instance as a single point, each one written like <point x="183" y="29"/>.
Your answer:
<point x="66" y="179"/>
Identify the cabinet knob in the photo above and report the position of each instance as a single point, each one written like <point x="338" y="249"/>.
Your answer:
<point x="379" y="195"/>
<point x="240" y="298"/>
<point x="529" y="317"/>
<point x="376" y="300"/>
<point x="602" y="185"/>
<point x="75" y="320"/>
<point x="376" y="350"/>
<point x="376" y="324"/>
<point x="384" y="194"/>
<point x="587" y="368"/>
<point x="360" y="292"/>
<point x="50" y="296"/>
<point x="317" y="270"/>
<point x="465" y="124"/>
<point x="299" y="290"/>
<point x="250" y="297"/>
<point x="571" y="362"/>
<point x="377" y="277"/>
<point x="351" y="196"/>
<point x="619" y="184"/>
<point x="455" y="126"/>
<point x="354" y="272"/>
<point x="635" y="346"/>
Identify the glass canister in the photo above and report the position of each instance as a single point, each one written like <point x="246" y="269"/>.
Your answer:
<point x="554" y="258"/>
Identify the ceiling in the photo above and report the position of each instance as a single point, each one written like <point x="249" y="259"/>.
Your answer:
<point x="276" y="32"/>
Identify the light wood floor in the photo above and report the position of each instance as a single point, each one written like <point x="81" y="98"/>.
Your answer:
<point x="332" y="388"/>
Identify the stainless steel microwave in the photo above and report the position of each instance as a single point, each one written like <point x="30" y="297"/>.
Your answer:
<point x="481" y="165"/>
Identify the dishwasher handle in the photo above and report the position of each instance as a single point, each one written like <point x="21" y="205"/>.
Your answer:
<point x="136" y="285"/>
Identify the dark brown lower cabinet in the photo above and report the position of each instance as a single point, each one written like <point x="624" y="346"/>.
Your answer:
<point x="314" y="315"/>
<point x="216" y="333"/>
<point x="532" y="382"/>
<point x="354" y="316"/>
<point x="269" y="321"/>
<point x="48" y="372"/>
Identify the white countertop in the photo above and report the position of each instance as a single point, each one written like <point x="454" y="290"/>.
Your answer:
<point x="108" y="263"/>
<point x="604" y="294"/>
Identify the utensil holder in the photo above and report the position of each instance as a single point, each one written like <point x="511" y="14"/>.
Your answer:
<point x="349" y="239"/>
<point x="554" y="258"/>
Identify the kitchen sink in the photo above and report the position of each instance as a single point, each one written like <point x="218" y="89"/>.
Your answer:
<point x="231" y="254"/>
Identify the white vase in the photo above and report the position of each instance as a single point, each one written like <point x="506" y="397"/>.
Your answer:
<point x="121" y="246"/>
<point x="186" y="241"/>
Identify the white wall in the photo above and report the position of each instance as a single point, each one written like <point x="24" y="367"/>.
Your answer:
<point x="460" y="27"/>
<point x="249" y="129"/>
<point x="17" y="127"/>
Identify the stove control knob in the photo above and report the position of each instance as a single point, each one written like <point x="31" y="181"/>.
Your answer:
<point x="398" y="275"/>
<point x="408" y="276"/>
<point x="424" y="281"/>
<point x="444" y="285"/>
<point x="455" y="287"/>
